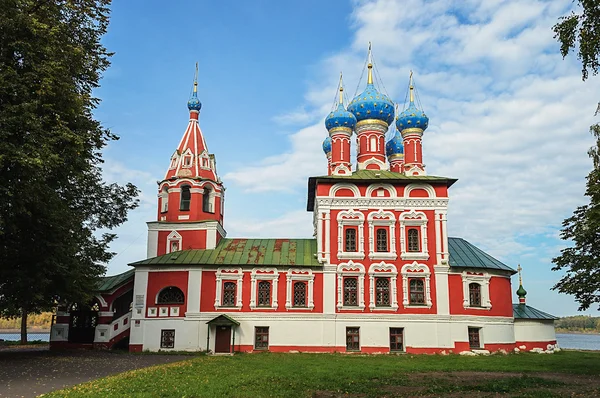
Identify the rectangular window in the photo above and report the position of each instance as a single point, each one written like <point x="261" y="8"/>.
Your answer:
<point x="350" y="243"/>
<point x="474" y="295"/>
<point x="186" y="198"/>
<point x="382" y="292"/>
<point x="382" y="240"/>
<point x="167" y="338"/>
<point x="228" y="294"/>
<point x="261" y="338"/>
<point x="474" y="338"/>
<point x="264" y="294"/>
<point x="413" y="240"/>
<point x="416" y="291"/>
<point x="353" y="339"/>
<point x="396" y="339"/>
<point x="300" y="294"/>
<point x="350" y="291"/>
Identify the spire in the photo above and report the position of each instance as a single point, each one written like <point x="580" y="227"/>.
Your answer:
<point x="196" y="81"/>
<point x="370" y="67"/>
<point x="411" y="88"/>
<point x="194" y="104"/>
<point x="341" y="101"/>
<point x="521" y="292"/>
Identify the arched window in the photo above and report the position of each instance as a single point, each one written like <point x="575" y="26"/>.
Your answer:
<point x="350" y="240"/>
<point x="170" y="295"/>
<point x="373" y="144"/>
<point x="228" y="294"/>
<point x="413" y="240"/>
<point x="474" y="294"/>
<point x="206" y="200"/>
<point x="382" y="292"/>
<point x="382" y="240"/>
<point x="264" y="294"/>
<point x="164" y="200"/>
<point x="417" y="291"/>
<point x="350" y="291"/>
<point x="300" y="294"/>
<point x="186" y="198"/>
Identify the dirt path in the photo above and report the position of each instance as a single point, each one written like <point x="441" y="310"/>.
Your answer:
<point x="29" y="373"/>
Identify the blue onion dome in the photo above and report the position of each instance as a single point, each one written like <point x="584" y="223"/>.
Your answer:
<point x="395" y="146"/>
<point x="327" y="145"/>
<point x="412" y="117"/>
<point x="194" y="103"/>
<point x="371" y="104"/>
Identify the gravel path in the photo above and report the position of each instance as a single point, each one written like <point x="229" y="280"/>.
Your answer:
<point x="31" y="372"/>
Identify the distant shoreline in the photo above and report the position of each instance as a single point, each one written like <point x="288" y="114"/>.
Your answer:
<point x="562" y="331"/>
<point x="18" y="331"/>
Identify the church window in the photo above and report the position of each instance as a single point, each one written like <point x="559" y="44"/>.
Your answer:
<point x="413" y="240"/>
<point x="382" y="292"/>
<point x="353" y="339"/>
<point x="373" y="144"/>
<point x="382" y="240"/>
<point x="300" y="294"/>
<point x="170" y="295"/>
<point x="264" y="294"/>
<point x="474" y="341"/>
<point x="167" y="338"/>
<point x="229" y="293"/>
<point x="186" y="198"/>
<point x="396" y="339"/>
<point x="261" y="338"/>
<point x="164" y="200"/>
<point x="350" y="245"/>
<point x="475" y="294"/>
<point x="416" y="291"/>
<point x="207" y="205"/>
<point x="350" y="291"/>
<point x="174" y="246"/>
<point x="187" y="160"/>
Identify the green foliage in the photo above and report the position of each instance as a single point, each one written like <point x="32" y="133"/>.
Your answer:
<point x="329" y="375"/>
<point x="579" y="323"/>
<point x="54" y="200"/>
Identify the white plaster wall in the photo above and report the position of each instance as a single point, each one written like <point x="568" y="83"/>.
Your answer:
<point x="531" y="330"/>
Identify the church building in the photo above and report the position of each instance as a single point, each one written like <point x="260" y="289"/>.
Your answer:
<point x="379" y="275"/>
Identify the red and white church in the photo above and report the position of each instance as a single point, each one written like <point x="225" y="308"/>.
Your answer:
<point x="379" y="275"/>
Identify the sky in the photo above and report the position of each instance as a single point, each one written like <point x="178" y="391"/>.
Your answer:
<point x="508" y="116"/>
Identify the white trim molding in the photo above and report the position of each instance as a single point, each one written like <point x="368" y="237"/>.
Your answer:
<point x="426" y="187"/>
<point x="229" y="274"/>
<point x="346" y="218"/>
<point x="264" y="274"/>
<point x="413" y="219"/>
<point x="174" y="237"/>
<point x="354" y="270"/>
<point x="382" y="219"/>
<point x="416" y="270"/>
<point x="483" y="280"/>
<point x="344" y="185"/>
<point x="299" y="275"/>
<point x="383" y="270"/>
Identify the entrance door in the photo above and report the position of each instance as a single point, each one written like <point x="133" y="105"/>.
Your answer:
<point x="223" y="339"/>
<point x="82" y="323"/>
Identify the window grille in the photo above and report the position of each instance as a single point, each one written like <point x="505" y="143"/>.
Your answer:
<point x="475" y="295"/>
<point x="474" y="338"/>
<point x="167" y="338"/>
<point x="396" y="339"/>
<point x="264" y="294"/>
<point x="382" y="240"/>
<point x="229" y="294"/>
<point x="170" y="295"/>
<point x="353" y="339"/>
<point x="413" y="240"/>
<point x="186" y="198"/>
<point x="300" y="294"/>
<point x="350" y="239"/>
<point x="350" y="291"/>
<point x="382" y="292"/>
<point x="417" y="291"/>
<point x="261" y="339"/>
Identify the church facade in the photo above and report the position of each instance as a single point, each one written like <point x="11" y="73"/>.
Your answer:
<point x="379" y="275"/>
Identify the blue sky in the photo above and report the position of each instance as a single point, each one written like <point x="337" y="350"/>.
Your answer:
<point x="508" y="117"/>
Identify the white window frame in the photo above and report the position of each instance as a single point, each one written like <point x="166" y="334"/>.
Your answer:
<point x="299" y="275"/>
<point x="382" y="218"/>
<point x="229" y="274"/>
<point x="413" y="219"/>
<point x="173" y="237"/>
<point x="187" y="155"/>
<point x="383" y="270"/>
<point x="416" y="270"/>
<point x="483" y="280"/>
<point x="174" y="159"/>
<point x="351" y="218"/>
<point x="351" y="269"/>
<point x="264" y="274"/>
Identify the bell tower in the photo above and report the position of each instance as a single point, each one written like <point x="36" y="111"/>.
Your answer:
<point x="191" y="195"/>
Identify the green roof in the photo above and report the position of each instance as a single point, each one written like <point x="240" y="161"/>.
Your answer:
<point x="109" y="283"/>
<point x="523" y="311"/>
<point x="274" y="252"/>
<point x="371" y="176"/>
<point x="463" y="254"/>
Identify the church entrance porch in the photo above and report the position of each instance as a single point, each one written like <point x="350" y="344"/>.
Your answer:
<point x="224" y="327"/>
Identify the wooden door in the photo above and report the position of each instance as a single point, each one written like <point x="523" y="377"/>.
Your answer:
<point x="223" y="339"/>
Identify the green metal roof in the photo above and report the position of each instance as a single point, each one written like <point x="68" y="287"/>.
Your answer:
<point x="463" y="254"/>
<point x="223" y="319"/>
<point x="371" y="176"/>
<point x="274" y="252"/>
<point x="523" y="311"/>
<point x="109" y="283"/>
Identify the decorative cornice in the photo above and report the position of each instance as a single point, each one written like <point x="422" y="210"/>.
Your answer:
<point x="371" y="122"/>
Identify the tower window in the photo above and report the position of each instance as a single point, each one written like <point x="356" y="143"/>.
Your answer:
<point x="413" y="240"/>
<point x="382" y="240"/>
<point x="382" y="291"/>
<point x="416" y="291"/>
<point x="475" y="294"/>
<point x="186" y="198"/>
<point x="373" y="144"/>
<point x="350" y="245"/>
<point x="164" y="200"/>
<point x="207" y="205"/>
<point x="187" y="160"/>
<point x="350" y="291"/>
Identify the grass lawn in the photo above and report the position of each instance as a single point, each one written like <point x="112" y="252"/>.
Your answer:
<point x="567" y="373"/>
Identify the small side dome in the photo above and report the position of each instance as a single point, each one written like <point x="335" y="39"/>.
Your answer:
<point x="395" y="146"/>
<point x="194" y="103"/>
<point x="340" y="118"/>
<point x="327" y="145"/>
<point x="412" y="117"/>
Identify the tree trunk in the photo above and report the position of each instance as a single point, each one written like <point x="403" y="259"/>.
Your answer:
<point x="23" y="326"/>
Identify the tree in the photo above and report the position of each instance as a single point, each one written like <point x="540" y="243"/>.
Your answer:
<point x="582" y="261"/>
<point x="54" y="203"/>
